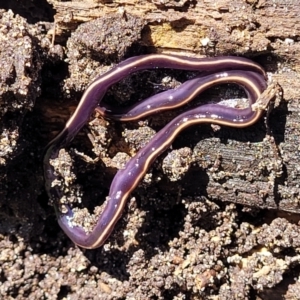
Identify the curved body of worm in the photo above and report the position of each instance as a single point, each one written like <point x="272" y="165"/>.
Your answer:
<point x="215" y="71"/>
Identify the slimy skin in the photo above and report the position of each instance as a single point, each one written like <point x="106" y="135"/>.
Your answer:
<point x="220" y="70"/>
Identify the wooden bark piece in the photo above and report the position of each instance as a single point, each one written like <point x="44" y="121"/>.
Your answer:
<point x="227" y="26"/>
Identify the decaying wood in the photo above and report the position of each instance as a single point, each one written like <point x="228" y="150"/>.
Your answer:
<point x="252" y="27"/>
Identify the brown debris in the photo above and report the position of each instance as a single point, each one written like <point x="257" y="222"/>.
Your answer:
<point x="20" y="79"/>
<point x="105" y="40"/>
<point x="177" y="163"/>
